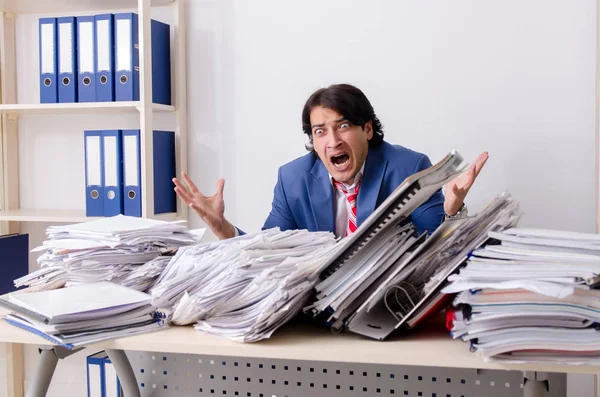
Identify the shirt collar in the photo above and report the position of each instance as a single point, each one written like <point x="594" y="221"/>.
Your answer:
<point x="356" y="178"/>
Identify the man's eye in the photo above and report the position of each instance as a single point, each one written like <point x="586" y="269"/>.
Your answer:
<point x="318" y="132"/>
<point x="344" y="125"/>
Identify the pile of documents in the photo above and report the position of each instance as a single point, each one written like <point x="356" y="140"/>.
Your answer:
<point x="412" y="291"/>
<point x="246" y="287"/>
<point x="120" y="249"/>
<point x="83" y="314"/>
<point x="386" y="275"/>
<point x="528" y="295"/>
<point x="382" y="244"/>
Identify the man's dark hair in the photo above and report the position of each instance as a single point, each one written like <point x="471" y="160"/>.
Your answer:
<point x="348" y="101"/>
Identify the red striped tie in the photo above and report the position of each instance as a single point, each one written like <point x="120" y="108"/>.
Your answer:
<point x="351" y="197"/>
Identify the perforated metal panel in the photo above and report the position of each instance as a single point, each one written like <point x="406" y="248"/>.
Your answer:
<point x="194" y="375"/>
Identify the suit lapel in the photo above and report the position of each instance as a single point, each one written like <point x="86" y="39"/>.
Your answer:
<point x="320" y="193"/>
<point x="371" y="184"/>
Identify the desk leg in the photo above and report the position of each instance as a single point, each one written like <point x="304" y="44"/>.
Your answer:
<point x="125" y="372"/>
<point x="14" y="364"/>
<point x="43" y="373"/>
<point x="535" y="384"/>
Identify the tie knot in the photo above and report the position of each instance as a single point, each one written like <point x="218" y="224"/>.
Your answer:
<point x="342" y="188"/>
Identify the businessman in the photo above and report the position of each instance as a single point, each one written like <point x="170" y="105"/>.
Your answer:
<point x="349" y="171"/>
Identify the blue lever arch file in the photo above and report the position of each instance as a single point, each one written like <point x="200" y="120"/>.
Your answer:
<point x="163" y="152"/>
<point x="86" y="81"/>
<point x="67" y="50"/>
<point x="96" y="387"/>
<point x="127" y="57"/>
<point x="104" y="52"/>
<point x="14" y="251"/>
<point x="94" y="170"/>
<point x="111" y="380"/>
<point x="102" y="379"/>
<point x="48" y="60"/>
<point x="161" y="62"/>
<point x="132" y="175"/>
<point x="127" y="62"/>
<point x="113" y="180"/>
<point x="164" y="171"/>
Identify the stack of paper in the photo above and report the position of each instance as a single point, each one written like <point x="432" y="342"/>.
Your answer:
<point x="528" y="296"/>
<point x="344" y="291"/>
<point x="412" y="291"/>
<point x="382" y="244"/>
<point x="108" y="249"/>
<point x="246" y="287"/>
<point x="84" y="314"/>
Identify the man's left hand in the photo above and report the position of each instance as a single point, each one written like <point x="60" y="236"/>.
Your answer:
<point x="456" y="190"/>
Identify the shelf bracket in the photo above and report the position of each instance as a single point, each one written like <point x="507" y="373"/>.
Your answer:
<point x="12" y="117"/>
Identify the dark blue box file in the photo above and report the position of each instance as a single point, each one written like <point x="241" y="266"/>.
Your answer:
<point x="14" y="260"/>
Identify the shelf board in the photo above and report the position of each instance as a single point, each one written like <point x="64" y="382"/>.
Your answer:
<point x="32" y="215"/>
<point x="63" y="216"/>
<point x="63" y="6"/>
<point x="79" y="108"/>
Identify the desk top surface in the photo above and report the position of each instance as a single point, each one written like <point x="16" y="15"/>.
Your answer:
<point x="431" y="346"/>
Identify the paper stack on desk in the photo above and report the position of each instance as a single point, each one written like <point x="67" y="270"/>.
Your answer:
<point x="109" y="249"/>
<point x="83" y="314"/>
<point x="412" y="292"/>
<point x="379" y="247"/>
<point x="529" y="295"/>
<point x="246" y="287"/>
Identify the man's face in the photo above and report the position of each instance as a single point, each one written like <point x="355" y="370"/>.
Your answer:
<point x="341" y="146"/>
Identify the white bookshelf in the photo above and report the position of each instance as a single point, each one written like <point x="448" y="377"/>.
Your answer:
<point x="22" y="118"/>
<point x="143" y="110"/>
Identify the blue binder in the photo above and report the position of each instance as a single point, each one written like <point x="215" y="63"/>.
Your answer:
<point x="113" y="180"/>
<point x="102" y="379"/>
<point x="48" y="61"/>
<point x="127" y="62"/>
<point x="132" y="175"/>
<point x="67" y="51"/>
<point x="112" y="384"/>
<point x="161" y="62"/>
<point x="86" y="82"/>
<point x="127" y="57"/>
<point x="94" y="173"/>
<point x="104" y="52"/>
<point x="163" y="143"/>
<point x="14" y="251"/>
<point x="95" y="375"/>
<point x="164" y="171"/>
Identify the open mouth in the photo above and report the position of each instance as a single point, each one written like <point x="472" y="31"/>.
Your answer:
<point x="340" y="161"/>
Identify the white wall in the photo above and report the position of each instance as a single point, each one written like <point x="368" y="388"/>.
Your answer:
<point x="514" y="77"/>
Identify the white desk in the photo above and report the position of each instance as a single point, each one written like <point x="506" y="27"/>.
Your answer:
<point x="430" y="347"/>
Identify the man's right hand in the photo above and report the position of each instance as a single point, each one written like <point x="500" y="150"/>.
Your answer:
<point x="210" y="209"/>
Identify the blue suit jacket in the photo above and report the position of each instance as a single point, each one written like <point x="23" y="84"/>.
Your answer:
<point x="303" y="197"/>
